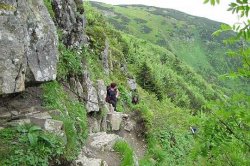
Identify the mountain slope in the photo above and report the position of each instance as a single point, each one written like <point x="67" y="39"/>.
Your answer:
<point x="188" y="37"/>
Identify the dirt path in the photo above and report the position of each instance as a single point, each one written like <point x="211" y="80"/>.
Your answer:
<point x="137" y="143"/>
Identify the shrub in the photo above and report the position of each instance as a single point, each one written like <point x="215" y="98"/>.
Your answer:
<point x="70" y="62"/>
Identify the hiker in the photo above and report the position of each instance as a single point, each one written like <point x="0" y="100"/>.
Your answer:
<point x="193" y="129"/>
<point x="112" y="95"/>
<point x="135" y="97"/>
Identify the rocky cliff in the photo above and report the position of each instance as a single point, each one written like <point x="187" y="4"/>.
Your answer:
<point x="28" y="45"/>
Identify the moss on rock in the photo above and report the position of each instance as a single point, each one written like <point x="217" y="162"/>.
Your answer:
<point x="8" y="7"/>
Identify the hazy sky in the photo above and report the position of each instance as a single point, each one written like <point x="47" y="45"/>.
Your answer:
<point x="193" y="7"/>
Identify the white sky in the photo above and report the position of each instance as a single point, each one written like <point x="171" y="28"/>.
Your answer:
<point x="193" y="7"/>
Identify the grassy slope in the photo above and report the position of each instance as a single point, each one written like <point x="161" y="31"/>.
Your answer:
<point x="186" y="36"/>
<point x="177" y="80"/>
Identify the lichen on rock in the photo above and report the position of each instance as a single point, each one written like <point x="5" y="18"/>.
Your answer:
<point x="28" y="44"/>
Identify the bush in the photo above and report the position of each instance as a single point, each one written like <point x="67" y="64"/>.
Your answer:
<point x="70" y="62"/>
<point x="148" y="82"/>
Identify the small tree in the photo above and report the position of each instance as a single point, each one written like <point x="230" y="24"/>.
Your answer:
<point x="147" y="80"/>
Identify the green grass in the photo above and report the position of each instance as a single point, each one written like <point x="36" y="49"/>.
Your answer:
<point x="126" y="153"/>
<point x="167" y="135"/>
<point x="29" y="145"/>
<point x="73" y="117"/>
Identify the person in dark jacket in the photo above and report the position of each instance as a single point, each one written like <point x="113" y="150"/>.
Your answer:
<point x="112" y="95"/>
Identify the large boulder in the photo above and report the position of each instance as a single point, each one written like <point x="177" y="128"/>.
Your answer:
<point x="28" y="44"/>
<point x="115" y="119"/>
<point x="103" y="141"/>
<point x="45" y="121"/>
<point x="90" y="93"/>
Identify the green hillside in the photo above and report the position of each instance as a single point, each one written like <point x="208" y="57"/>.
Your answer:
<point x="185" y="115"/>
<point x="188" y="37"/>
<point x="167" y="76"/>
<point x="171" y="92"/>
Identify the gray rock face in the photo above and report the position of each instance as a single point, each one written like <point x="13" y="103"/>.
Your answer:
<point x="102" y="91"/>
<point x="105" y="58"/>
<point x="93" y="124"/>
<point x="28" y="45"/>
<point x="76" y="86"/>
<point x="129" y="125"/>
<point x="91" y="93"/>
<point x="69" y="17"/>
<point x="132" y="84"/>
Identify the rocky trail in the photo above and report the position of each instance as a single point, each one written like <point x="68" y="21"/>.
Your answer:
<point x="104" y="130"/>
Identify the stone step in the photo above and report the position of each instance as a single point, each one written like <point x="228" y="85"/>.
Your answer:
<point x="85" y="161"/>
<point x="103" y="141"/>
<point x="115" y="119"/>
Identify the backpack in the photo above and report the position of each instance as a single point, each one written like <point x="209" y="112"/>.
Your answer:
<point x="110" y="96"/>
<point x="107" y="99"/>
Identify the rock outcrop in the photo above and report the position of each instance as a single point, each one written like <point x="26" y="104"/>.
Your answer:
<point x="90" y="92"/>
<point x="45" y="121"/>
<point x="132" y="83"/>
<point x="28" y="44"/>
<point x="70" y="18"/>
<point x="104" y="106"/>
<point x="105" y="58"/>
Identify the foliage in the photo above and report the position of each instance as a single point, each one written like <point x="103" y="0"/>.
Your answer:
<point x="225" y="130"/>
<point x="186" y="36"/>
<point x="70" y="62"/>
<point x="168" y="138"/>
<point x="8" y="7"/>
<point x="147" y="81"/>
<point x="167" y="135"/>
<point x="124" y="102"/>
<point x="168" y="77"/>
<point x="29" y="145"/>
<point x="241" y="8"/>
<point x="126" y="152"/>
<point x="73" y="117"/>
<point x="166" y="82"/>
<point x="227" y="127"/>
